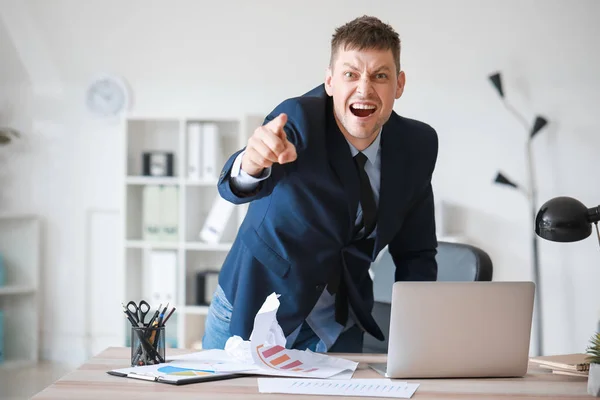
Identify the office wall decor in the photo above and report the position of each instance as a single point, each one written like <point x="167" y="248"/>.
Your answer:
<point x="530" y="191"/>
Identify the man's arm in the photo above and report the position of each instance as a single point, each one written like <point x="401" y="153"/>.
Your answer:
<point x="241" y="181"/>
<point x="414" y="248"/>
<point x="253" y="172"/>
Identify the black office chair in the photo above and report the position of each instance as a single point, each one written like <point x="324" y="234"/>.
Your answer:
<point x="456" y="262"/>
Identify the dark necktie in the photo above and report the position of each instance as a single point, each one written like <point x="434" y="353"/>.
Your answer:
<point x="369" y="211"/>
<point x="367" y="201"/>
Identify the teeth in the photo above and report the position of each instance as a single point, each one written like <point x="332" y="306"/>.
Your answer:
<point x="359" y="106"/>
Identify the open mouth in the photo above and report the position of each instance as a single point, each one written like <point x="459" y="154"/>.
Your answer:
<point x="362" y="110"/>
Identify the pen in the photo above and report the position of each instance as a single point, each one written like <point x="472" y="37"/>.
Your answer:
<point x="130" y="319"/>
<point x="168" y="316"/>
<point x="162" y="315"/>
<point x="155" y="337"/>
<point x="154" y="317"/>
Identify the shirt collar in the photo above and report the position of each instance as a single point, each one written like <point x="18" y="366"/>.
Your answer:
<point x="371" y="151"/>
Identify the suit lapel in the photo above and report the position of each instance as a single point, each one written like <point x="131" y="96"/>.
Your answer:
<point x="394" y="182"/>
<point x="342" y="163"/>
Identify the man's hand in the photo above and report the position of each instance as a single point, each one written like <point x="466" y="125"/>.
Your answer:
<point x="268" y="145"/>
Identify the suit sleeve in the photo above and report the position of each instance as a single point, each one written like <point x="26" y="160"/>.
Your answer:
<point x="414" y="247"/>
<point x="293" y="130"/>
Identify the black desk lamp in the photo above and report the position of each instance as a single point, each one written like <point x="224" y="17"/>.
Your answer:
<point x="565" y="219"/>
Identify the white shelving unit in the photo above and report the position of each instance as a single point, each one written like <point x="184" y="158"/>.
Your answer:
<point x="195" y="198"/>
<point x="19" y="300"/>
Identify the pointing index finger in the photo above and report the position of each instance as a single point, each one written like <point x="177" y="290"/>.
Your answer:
<point x="277" y="124"/>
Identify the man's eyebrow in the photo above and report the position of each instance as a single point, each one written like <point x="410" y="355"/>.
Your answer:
<point x="350" y="66"/>
<point x="383" y="68"/>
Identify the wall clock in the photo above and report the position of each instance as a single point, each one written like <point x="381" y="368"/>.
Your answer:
<point x="108" y="96"/>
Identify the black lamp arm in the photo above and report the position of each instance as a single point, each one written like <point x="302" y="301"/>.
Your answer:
<point x="594" y="214"/>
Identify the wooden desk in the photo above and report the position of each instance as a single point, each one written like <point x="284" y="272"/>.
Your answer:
<point x="91" y="381"/>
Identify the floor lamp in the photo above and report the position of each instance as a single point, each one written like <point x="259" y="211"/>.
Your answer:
<point x="7" y="135"/>
<point x="530" y="192"/>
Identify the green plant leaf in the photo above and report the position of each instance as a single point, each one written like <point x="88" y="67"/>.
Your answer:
<point x="593" y="349"/>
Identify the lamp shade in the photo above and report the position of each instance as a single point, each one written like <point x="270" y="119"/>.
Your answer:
<point x="563" y="219"/>
<point x="496" y="80"/>
<point x="539" y="123"/>
<point x="503" y="180"/>
<point x="7" y="135"/>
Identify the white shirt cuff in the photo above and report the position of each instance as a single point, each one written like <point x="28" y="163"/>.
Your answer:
<point x="241" y="180"/>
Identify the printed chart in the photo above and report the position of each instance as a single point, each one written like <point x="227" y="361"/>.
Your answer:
<point x="277" y="357"/>
<point x="170" y="370"/>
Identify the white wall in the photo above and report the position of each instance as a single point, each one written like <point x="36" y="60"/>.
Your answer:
<point x="240" y="56"/>
<point x="15" y="111"/>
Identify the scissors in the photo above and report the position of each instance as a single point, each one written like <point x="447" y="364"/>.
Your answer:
<point x="139" y="312"/>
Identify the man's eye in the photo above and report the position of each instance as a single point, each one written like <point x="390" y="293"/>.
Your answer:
<point x="381" y="76"/>
<point x="348" y="74"/>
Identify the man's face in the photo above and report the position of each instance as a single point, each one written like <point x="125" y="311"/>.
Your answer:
<point x="364" y="86"/>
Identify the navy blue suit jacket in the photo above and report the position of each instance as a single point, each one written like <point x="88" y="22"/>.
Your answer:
<point x="299" y="227"/>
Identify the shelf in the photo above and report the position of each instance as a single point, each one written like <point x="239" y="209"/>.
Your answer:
<point x="197" y="310"/>
<point x="197" y="191"/>
<point x="208" y="246"/>
<point x="200" y="246"/>
<point x="14" y="364"/>
<point x="140" y="244"/>
<point x="27" y="217"/>
<point x="151" y="180"/>
<point x="201" y="182"/>
<point x="16" y="289"/>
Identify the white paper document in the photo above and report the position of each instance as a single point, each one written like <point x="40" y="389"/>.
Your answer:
<point x="265" y="353"/>
<point x="351" y="387"/>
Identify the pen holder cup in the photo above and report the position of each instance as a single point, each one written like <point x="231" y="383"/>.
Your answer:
<point x="147" y="345"/>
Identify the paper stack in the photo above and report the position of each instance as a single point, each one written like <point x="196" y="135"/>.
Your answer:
<point x="264" y="354"/>
<point x="564" y="364"/>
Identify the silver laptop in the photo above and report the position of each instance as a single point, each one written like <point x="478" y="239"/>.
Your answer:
<point x="459" y="329"/>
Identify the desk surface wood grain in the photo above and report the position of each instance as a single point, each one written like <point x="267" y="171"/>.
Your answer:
<point x="90" y="381"/>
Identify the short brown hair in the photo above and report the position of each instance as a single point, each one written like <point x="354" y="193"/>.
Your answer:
<point x="366" y="33"/>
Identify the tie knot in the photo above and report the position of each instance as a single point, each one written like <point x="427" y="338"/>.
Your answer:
<point x="361" y="159"/>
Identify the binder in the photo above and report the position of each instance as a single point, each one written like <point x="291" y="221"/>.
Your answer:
<point x="194" y="146"/>
<point x="162" y="276"/>
<point x="216" y="221"/>
<point x="160" y="214"/>
<point x="210" y="150"/>
<point x="151" y="224"/>
<point x="169" y="213"/>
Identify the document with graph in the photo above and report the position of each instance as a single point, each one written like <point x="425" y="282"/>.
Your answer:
<point x="265" y="354"/>
<point x="167" y="373"/>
